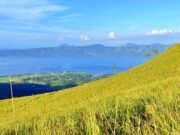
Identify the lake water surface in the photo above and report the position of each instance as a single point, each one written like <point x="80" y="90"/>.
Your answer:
<point x="94" y="65"/>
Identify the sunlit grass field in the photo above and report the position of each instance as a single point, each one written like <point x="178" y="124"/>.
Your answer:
<point x="143" y="100"/>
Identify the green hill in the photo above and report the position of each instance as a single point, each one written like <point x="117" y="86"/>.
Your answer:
<point x="143" y="100"/>
<point x="33" y="84"/>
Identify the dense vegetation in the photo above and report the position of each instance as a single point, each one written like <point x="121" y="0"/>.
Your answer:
<point x="31" y="84"/>
<point x="53" y="79"/>
<point x="143" y="100"/>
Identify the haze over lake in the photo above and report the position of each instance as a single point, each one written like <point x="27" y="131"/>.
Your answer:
<point x="94" y="65"/>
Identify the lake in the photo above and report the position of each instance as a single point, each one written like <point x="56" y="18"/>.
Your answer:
<point x="94" y="65"/>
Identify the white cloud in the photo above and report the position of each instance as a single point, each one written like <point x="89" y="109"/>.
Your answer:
<point x="84" y="37"/>
<point x="27" y="9"/>
<point x="34" y="16"/>
<point x="69" y="17"/>
<point x="162" y="32"/>
<point x="112" y="35"/>
<point x="61" y="38"/>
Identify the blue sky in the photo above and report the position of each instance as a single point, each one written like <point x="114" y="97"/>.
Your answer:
<point x="37" y="23"/>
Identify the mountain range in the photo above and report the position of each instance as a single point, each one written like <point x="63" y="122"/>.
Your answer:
<point x="94" y="50"/>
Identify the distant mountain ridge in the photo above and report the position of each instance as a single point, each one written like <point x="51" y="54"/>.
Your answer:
<point x="154" y="44"/>
<point x="94" y="50"/>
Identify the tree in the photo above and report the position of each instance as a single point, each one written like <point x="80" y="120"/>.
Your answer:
<point x="114" y="67"/>
<point x="155" y="52"/>
<point x="148" y="55"/>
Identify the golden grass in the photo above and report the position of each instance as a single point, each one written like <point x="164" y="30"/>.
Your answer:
<point x="155" y="83"/>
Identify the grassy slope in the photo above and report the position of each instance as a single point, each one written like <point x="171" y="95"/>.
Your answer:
<point x="161" y="73"/>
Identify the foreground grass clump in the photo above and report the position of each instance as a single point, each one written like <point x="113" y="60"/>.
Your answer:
<point x="143" y="100"/>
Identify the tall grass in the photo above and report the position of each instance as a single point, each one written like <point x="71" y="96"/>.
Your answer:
<point x="142" y="101"/>
<point x="155" y="111"/>
<point x="12" y="103"/>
